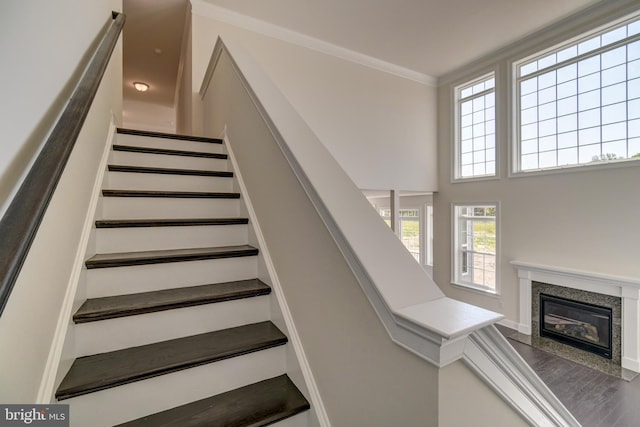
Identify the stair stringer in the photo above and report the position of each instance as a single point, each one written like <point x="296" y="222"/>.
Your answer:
<point x="62" y="349"/>
<point x="297" y="365"/>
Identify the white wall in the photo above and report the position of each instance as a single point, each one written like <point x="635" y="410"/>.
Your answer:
<point x="364" y="378"/>
<point x="583" y="219"/>
<point x="41" y="44"/>
<point x="380" y="128"/>
<point x="184" y="91"/>
<point x="148" y="116"/>
<point x="465" y="400"/>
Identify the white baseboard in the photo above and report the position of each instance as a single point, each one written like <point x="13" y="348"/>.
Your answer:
<point x="48" y="382"/>
<point x="509" y="324"/>
<point x="294" y="338"/>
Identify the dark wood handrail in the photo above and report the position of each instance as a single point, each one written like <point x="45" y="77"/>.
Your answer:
<point x="20" y="222"/>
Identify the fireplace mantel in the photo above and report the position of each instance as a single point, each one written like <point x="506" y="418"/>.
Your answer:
<point x="626" y="288"/>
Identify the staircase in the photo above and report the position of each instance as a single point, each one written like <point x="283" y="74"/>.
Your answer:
<point x="176" y="329"/>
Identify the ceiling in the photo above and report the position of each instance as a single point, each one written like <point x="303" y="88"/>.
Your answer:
<point x="152" y="40"/>
<point x="431" y="37"/>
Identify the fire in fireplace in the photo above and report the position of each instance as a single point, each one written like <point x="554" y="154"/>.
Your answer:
<point x="585" y="326"/>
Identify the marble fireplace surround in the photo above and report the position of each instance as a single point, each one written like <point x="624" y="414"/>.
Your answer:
<point x="626" y="288"/>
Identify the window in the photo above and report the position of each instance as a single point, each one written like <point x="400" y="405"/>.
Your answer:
<point x="429" y="237"/>
<point x="475" y="147"/>
<point x="475" y="244"/>
<point x="579" y="103"/>
<point x="409" y="229"/>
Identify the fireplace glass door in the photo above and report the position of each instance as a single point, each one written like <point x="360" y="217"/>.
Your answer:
<point x="581" y="325"/>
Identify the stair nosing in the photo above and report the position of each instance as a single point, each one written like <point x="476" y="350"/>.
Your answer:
<point x="123" y="305"/>
<point x="180" y="222"/>
<point x="169" y="171"/>
<point x="164" y="135"/>
<point x="127" y="259"/>
<point x="168" y="152"/>
<point x="165" y="357"/>
<point x="289" y="401"/>
<point x="170" y="194"/>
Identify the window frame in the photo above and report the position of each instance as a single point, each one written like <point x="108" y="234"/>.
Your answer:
<point x="515" y="147"/>
<point x="456" y="147"/>
<point x="456" y="259"/>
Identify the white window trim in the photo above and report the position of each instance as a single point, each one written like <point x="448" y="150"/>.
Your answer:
<point x="428" y="234"/>
<point x="454" y="247"/>
<point x="455" y="146"/>
<point x="513" y="148"/>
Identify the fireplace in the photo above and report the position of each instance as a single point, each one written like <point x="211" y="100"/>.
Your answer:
<point x="582" y="325"/>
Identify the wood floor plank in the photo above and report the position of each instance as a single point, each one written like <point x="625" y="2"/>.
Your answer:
<point x="594" y="398"/>
<point x="258" y="404"/>
<point x="170" y="194"/>
<point x="125" y="259"/>
<point x="168" y="152"/>
<point x="170" y="136"/>
<point x="105" y="370"/>
<point x="147" y="302"/>
<point x="169" y="171"/>
<point x="184" y="222"/>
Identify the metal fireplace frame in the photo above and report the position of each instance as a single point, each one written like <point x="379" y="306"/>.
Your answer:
<point x="576" y="342"/>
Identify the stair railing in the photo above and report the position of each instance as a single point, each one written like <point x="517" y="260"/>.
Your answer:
<point x="22" y="218"/>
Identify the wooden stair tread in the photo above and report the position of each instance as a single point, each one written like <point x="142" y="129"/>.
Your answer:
<point x="147" y="302"/>
<point x="169" y="171"/>
<point x="171" y="194"/>
<point x="168" y="152"/>
<point x="125" y="223"/>
<point x="258" y="404"/>
<point x="123" y="259"/>
<point x="169" y="136"/>
<point x="105" y="370"/>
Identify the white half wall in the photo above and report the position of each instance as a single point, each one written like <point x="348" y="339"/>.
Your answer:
<point x="41" y="44"/>
<point x="381" y="128"/>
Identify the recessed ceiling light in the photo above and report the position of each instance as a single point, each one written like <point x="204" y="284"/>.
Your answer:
<point x="157" y="50"/>
<point x="141" y="87"/>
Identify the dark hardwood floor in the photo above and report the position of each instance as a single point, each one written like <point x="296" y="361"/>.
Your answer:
<point x="594" y="398"/>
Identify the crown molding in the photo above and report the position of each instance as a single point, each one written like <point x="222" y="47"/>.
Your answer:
<point x="203" y="8"/>
<point x="596" y="15"/>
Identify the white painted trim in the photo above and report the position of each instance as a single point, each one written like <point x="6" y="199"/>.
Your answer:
<point x="47" y="384"/>
<point x="509" y="324"/>
<point x="568" y="28"/>
<point x="626" y="288"/>
<point x="183" y="49"/>
<point x="490" y="355"/>
<point x="202" y="8"/>
<point x="294" y="338"/>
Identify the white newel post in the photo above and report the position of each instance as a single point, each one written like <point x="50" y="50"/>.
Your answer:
<point x="628" y="289"/>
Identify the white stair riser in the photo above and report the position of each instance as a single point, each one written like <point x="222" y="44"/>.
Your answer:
<point x="299" y="420"/>
<point x="130" y="401"/>
<point x="170" y="144"/>
<point x="167" y="182"/>
<point x="159" y="208"/>
<point x="103" y="282"/>
<point x="131" y="239"/>
<point x="167" y="161"/>
<point x="115" y="334"/>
